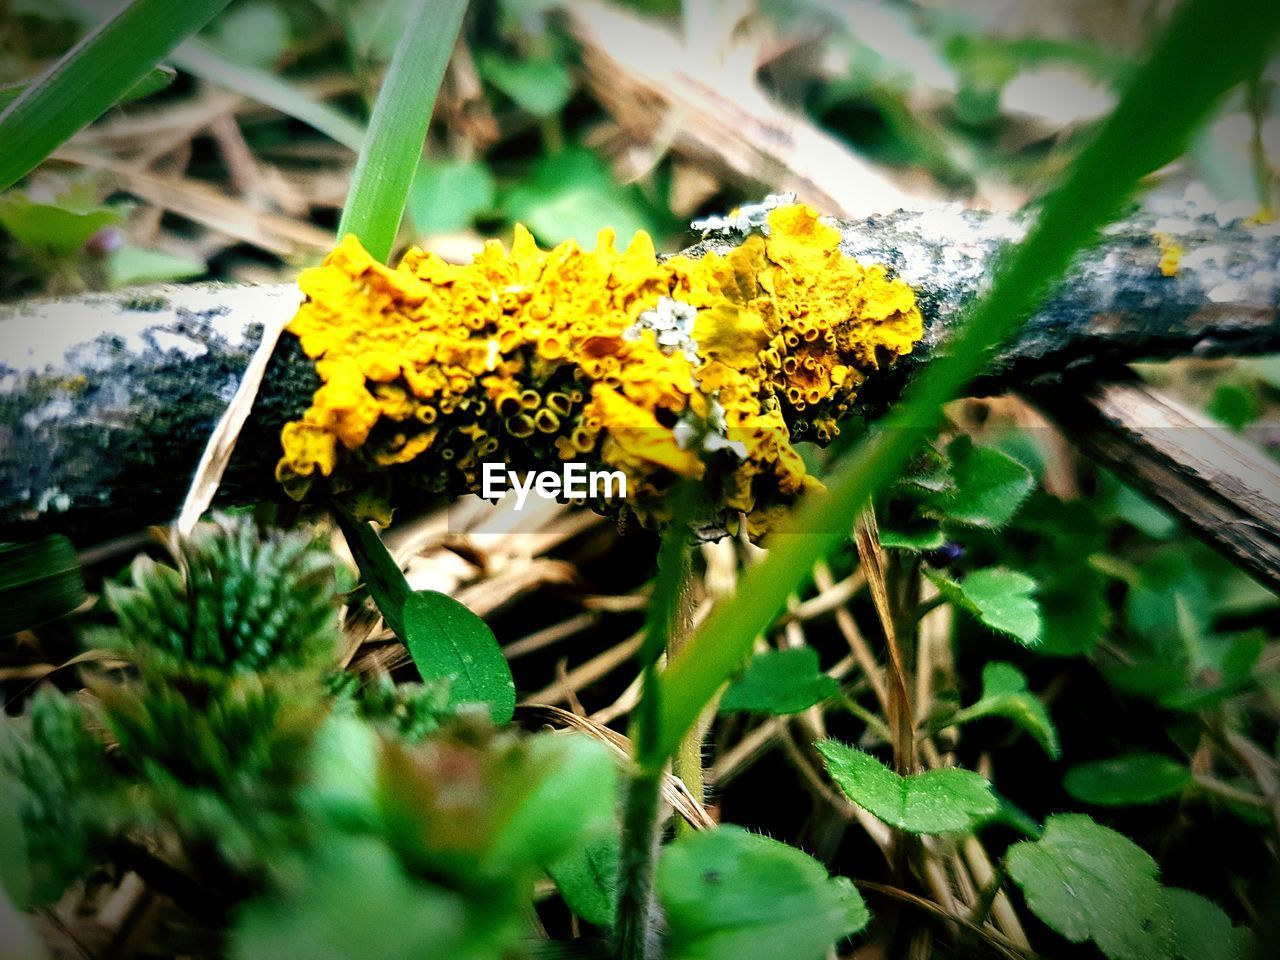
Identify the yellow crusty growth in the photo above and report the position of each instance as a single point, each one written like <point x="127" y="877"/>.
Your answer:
<point x="529" y="357"/>
<point x="1170" y="255"/>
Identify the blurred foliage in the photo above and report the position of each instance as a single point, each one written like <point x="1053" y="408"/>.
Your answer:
<point x="228" y="763"/>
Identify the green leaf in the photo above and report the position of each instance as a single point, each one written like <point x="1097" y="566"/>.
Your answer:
<point x="1070" y="591"/>
<point x="588" y="880"/>
<point x="1201" y="930"/>
<point x="94" y="74"/>
<point x="1236" y="405"/>
<point x="130" y="266"/>
<point x="39" y="581"/>
<point x="1090" y="883"/>
<point x="449" y="642"/>
<point x="916" y="537"/>
<point x="1220" y="667"/>
<point x="393" y="145"/>
<point x="569" y="796"/>
<point x="1171" y="600"/>
<point x="1140" y="513"/>
<point x="1132" y="780"/>
<point x="154" y="81"/>
<point x="948" y="800"/>
<point x="572" y="194"/>
<point x="541" y="87"/>
<point x="57" y="229"/>
<point x="1005" y="694"/>
<point x="16" y="881"/>
<point x="733" y="895"/>
<point x="780" y="682"/>
<point x="447" y="195"/>
<point x="928" y="473"/>
<point x="393" y="917"/>
<point x="1073" y="608"/>
<point x="988" y="486"/>
<point x="1000" y="598"/>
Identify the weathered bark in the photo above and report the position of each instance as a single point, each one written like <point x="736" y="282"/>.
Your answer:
<point x="106" y="401"/>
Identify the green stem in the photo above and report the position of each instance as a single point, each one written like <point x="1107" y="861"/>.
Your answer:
<point x="872" y="721"/>
<point x="665" y="619"/>
<point x="635" y="871"/>
<point x="379" y="570"/>
<point x="686" y="764"/>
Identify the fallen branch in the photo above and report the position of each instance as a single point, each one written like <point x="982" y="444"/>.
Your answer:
<point x="106" y="401"/>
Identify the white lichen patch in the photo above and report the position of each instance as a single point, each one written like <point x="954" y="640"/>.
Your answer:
<point x="671" y="322"/>
<point x="748" y="218"/>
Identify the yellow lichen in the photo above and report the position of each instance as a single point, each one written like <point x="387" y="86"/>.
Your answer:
<point x="611" y="357"/>
<point x="1170" y="254"/>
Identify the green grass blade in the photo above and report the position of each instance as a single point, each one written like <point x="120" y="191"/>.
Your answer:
<point x="1206" y="49"/>
<point x="93" y="75"/>
<point x="393" y="145"/>
<point x="154" y="81"/>
<point x="200" y="59"/>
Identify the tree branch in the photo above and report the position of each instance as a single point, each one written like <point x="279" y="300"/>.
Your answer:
<point x="106" y="401"/>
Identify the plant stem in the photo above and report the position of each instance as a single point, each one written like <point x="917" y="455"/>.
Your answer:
<point x="667" y="618"/>
<point x="379" y="570"/>
<point x="635" y="871"/>
<point x="686" y="763"/>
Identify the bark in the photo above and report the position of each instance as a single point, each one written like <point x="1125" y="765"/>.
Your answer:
<point x="106" y="400"/>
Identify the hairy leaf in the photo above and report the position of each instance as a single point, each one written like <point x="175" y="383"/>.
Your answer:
<point x="948" y="800"/>
<point x="588" y="880"/>
<point x="1201" y="931"/>
<point x="1000" y="598"/>
<point x="1088" y="882"/>
<point x="1005" y="694"/>
<point x="988" y="486"/>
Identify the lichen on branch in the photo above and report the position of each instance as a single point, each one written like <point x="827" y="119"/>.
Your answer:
<point x="706" y="367"/>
